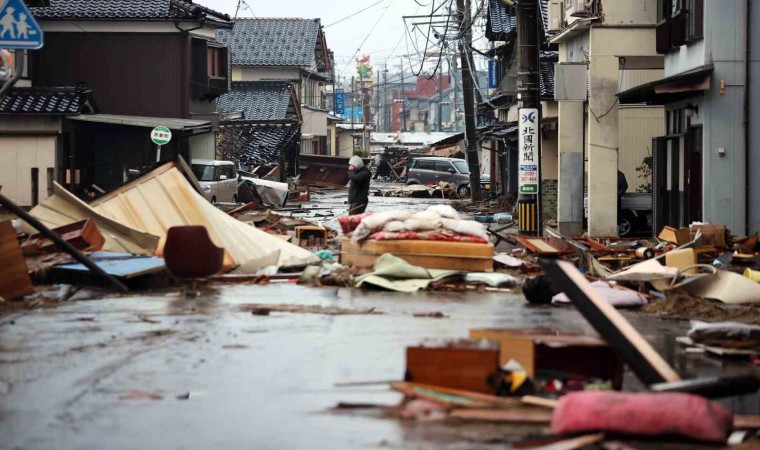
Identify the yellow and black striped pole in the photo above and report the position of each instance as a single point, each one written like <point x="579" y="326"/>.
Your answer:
<point x="527" y="213"/>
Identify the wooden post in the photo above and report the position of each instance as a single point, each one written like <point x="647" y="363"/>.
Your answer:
<point x="35" y="186"/>
<point x="50" y="180"/>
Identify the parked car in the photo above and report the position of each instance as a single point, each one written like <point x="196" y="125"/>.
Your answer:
<point x="636" y="219"/>
<point x="432" y="170"/>
<point x="218" y="179"/>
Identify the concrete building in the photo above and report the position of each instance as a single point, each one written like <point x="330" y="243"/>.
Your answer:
<point x="603" y="45"/>
<point x="704" y="160"/>
<point x="286" y="49"/>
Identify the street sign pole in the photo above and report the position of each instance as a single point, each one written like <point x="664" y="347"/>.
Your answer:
<point x="160" y="136"/>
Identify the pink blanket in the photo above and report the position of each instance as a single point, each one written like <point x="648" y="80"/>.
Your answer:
<point x="645" y="414"/>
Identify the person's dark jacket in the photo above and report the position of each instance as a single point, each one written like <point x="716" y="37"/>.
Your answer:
<point x="358" y="191"/>
<point x="622" y="185"/>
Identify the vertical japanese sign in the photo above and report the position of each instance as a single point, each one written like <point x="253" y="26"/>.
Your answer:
<point x="340" y="102"/>
<point x="528" y="148"/>
<point x="493" y="74"/>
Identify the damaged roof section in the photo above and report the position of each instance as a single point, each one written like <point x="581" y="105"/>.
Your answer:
<point x="53" y="101"/>
<point x="262" y="100"/>
<point x="253" y="143"/>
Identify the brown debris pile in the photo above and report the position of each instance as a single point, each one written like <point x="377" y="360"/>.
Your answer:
<point x="685" y="307"/>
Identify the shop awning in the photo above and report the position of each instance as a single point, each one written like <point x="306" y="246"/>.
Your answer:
<point x="186" y="125"/>
<point x="671" y="89"/>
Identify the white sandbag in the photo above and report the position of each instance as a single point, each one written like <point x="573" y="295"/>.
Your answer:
<point x="445" y="211"/>
<point x="376" y="222"/>
<point x="469" y="227"/>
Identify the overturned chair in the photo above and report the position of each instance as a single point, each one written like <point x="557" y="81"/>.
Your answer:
<point x="189" y="252"/>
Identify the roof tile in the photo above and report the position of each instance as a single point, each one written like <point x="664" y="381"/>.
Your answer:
<point x="125" y="10"/>
<point x="259" y="100"/>
<point x="272" y="42"/>
<point x="55" y="101"/>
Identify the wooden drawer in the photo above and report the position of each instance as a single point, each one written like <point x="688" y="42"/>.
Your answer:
<point x="465" y="256"/>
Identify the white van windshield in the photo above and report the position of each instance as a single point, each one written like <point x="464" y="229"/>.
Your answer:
<point x="203" y="173"/>
<point x="462" y="167"/>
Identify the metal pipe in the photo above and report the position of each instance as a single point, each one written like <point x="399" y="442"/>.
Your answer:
<point x="747" y="112"/>
<point x="20" y="65"/>
<point x="65" y="246"/>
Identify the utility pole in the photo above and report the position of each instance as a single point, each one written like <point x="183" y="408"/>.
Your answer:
<point x="353" y="111"/>
<point x="529" y="113"/>
<point x="439" y="116"/>
<point x="452" y="74"/>
<point x="386" y="107"/>
<point x="365" y="107"/>
<point x="403" y="97"/>
<point x="378" y="112"/>
<point x="471" y="138"/>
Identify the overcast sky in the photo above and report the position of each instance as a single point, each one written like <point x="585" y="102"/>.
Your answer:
<point x="344" y="38"/>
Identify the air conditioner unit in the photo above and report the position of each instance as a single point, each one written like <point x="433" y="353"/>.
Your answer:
<point x="556" y="21"/>
<point x="579" y="8"/>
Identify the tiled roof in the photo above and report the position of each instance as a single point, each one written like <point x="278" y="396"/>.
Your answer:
<point x="126" y="10"/>
<point x="259" y="100"/>
<point x="54" y="101"/>
<point x="546" y="73"/>
<point x="501" y="22"/>
<point x="544" y="5"/>
<point x="272" y="42"/>
<point x="256" y="143"/>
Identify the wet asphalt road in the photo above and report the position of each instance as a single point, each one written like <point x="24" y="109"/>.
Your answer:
<point x="254" y="381"/>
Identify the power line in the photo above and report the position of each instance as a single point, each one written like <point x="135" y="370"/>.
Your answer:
<point x="366" y="37"/>
<point x="356" y="13"/>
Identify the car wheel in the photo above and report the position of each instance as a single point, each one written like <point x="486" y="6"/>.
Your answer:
<point x="213" y="200"/>
<point x="625" y="227"/>
<point x="463" y="191"/>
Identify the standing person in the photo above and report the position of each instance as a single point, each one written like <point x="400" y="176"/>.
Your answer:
<point x="358" y="192"/>
<point x="622" y="188"/>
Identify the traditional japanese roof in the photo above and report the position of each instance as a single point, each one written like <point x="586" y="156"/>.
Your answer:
<point x="54" y="101"/>
<point x="154" y="10"/>
<point x="273" y="42"/>
<point x="254" y="143"/>
<point x="260" y="100"/>
<point x="546" y="73"/>
<point x="500" y="22"/>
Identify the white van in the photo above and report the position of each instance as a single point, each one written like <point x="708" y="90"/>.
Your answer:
<point x="218" y="179"/>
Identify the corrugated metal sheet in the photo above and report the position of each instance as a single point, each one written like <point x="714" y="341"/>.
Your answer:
<point x="163" y="198"/>
<point x="64" y="208"/>
<point x="631" y="78"/>
<point x="637" y="127"/>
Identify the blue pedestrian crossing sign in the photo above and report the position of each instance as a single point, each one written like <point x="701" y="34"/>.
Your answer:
<point x="18" y="29"/>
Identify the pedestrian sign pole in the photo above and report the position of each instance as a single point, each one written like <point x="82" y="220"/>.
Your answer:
<point x="18" y="31"/>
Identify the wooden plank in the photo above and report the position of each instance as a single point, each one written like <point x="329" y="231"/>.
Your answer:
<point x="515" y="415"/>
<point x="573" y="443"/>
<point x="503" y="402"/>
<point x="14" y="275"/>
<point x="747" y="422"/>
<point x="648" y="365"/>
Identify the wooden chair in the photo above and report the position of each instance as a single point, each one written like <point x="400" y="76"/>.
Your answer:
<point x="190" y="253"/>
